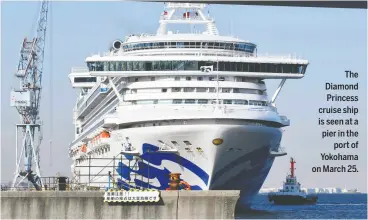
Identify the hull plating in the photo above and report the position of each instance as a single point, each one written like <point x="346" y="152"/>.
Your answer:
<point x="241" y="162"/>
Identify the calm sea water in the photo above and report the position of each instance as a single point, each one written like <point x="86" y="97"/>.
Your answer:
<point x="329" y="206"/>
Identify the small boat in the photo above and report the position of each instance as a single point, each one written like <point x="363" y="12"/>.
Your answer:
<point x="291" y="193"/>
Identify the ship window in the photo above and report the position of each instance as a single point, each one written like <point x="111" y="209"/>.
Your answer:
<point x="200" y="78"/>
<point x="187" y="143"/>
<point x="211" y="90"/>
<point x="201" y="89"/>
<point x="164" y="90"/>
<point x="177" y="101"/>
<point x="211" y="78"/>
<point x="195" y="65"/>
<point x="189" y="101"/>
<point x="155" y="65"/>
<point x="155" y="101"/>
<point x="136" y="79"/>
<point x="202" y="101"/>
<point x="190" y="65"/>
<point x="235" y="90"/>
<point x="180" y="44"/>
<point x="188" y="89"/>
<point x="176" y="89"/>
<point x="226" y="90"/>
<point x="84" y="79"/>
<point x="228" y="102"/>
<point x="175" y="143"/>
<point x="239" y="102"/>
<point x="177" y="78"/>
<point x="147" y="66"/>
<point x="188" y="78"/>
<point x="135" y="65"/>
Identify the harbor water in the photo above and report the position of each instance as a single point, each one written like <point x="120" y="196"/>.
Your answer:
<point x="329" y="206"/>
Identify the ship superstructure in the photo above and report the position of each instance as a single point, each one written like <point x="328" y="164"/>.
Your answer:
<point x="173" y="102"/>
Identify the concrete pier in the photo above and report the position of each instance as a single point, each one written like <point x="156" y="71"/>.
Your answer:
<point x="90" y="205"/>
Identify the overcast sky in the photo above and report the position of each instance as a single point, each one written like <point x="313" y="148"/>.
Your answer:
<point x="333" y="40"/>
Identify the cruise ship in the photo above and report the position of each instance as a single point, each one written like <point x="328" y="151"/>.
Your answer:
<point x="193" y="103"/>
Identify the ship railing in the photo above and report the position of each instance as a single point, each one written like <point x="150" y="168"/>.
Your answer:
<point x="185" y="5"/>
<point x="190" y="18"/>
<point x="79" y="70"/>
<point x="229" y="53"/>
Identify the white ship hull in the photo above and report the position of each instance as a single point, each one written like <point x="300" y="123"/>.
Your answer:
<point x="241" y="162"/>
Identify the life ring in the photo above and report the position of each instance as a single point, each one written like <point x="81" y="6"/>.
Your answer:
<point x="186" y="184"/>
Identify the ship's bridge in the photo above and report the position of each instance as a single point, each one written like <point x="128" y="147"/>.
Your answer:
<point x="192" y="41"/>
<point x="183" y="44"/>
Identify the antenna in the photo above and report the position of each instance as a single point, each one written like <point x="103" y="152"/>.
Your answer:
<point x="186" y="13"/>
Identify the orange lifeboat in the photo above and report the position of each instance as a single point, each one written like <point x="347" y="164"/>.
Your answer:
<point x="105" y="134"/>
<point x="84" y="148"/>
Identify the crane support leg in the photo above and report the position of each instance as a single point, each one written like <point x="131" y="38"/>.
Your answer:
<point x="277" y="91"/>
<point x="29" y="149"/>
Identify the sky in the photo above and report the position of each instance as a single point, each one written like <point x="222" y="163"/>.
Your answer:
<point x="333" y="40"/>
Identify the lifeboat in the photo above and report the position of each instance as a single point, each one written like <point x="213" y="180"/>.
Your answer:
<point x="84" y="148"/>
<point x="105" y="134"/>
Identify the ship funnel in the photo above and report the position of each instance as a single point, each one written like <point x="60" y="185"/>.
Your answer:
<point x="117" y="44"/>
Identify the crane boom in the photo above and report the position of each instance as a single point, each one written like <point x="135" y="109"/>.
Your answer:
<point x="26" y="100"/>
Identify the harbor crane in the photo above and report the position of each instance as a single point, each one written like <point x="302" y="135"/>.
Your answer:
<point x="26" y="100"/>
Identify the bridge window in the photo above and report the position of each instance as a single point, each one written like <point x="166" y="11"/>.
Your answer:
<point x="244" y="47"/>
<point x="84" y="79"/>
<point x="202" y="101"/>
<point x="189" y="101"/>
<point x="195" y="66"/>
<point x="177" y="101"/>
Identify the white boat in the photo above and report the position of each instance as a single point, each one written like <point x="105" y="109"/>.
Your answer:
<point x="191" y="103"/>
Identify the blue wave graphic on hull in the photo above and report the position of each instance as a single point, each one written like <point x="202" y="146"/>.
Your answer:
<point x="151" y="155"/>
